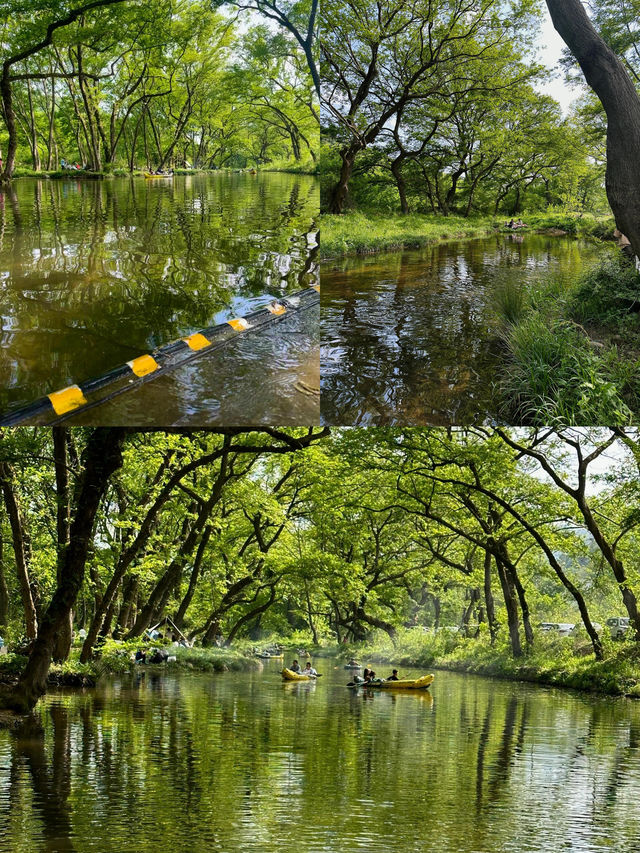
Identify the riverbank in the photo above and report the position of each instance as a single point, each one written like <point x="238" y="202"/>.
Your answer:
<point x="362" y="233"/>
<point x="116" y="659"/>
<point x="57" y="174"/>
<point x="553" y="661"/>
<point x="358" y="233"/>
<point x="571" y="350"/>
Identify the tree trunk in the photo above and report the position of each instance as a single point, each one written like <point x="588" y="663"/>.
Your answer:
<point x="102" y="458"/>
<point x="20" y="549"/>
<point x="129" y="595"/>
<point x="511" y="604"/>
<point x="339" y="194"/>
<point x="488" y="598"/>
<point x="63" y="512"/>
<point x="606" y="75"/>
<point x="35" y="153"/>
<point x="193" y="580"/>
<point x="396" y="170"/>
<point x="10" y="122"/>
<point x="4" y="591"/>
<point x="310" y="620"/>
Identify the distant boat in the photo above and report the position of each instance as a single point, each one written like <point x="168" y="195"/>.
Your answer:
<point x="163" y="175"/>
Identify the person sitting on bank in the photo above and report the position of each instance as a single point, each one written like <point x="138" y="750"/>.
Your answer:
<point x="295" y="666"/>
<point x="309" y="670"/>
<point x="512" y="224"/>
<point x="393" y="676"/>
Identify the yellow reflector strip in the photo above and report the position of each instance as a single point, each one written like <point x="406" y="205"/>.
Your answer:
<point x="276" y="308"/>
<point x="143" y="365"/>
<point x="67" y="400"/>
<point x="239" y="324"/>
<point x="316" y="287"/>
<point x="197" y="341"/>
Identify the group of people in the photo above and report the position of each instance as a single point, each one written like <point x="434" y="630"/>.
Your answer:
<point x="369" y="675"/>
<point x="308" y="669"/>
<point x="155" y="656"/>
<point x="514" y="224"/>
<point x="72" y="167"/>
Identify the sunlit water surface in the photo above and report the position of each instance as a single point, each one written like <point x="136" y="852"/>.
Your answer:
<point x="239" y="762"/>
<point x="409" y="337"/>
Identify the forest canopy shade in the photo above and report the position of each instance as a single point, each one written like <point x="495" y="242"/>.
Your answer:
<point x="230" y="532"/>
<point x="121" y="83"/>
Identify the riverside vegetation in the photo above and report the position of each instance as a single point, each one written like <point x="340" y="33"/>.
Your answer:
<point x="317" y="536"/>
<point x="454" y="150"/>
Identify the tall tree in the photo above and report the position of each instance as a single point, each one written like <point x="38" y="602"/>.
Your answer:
<point x="607" y="76"/>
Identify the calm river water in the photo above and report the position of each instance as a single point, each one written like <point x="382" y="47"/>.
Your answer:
<point x="237" y="762"/>
<point x="407" y="336"/>
<point x="94" y="273"/>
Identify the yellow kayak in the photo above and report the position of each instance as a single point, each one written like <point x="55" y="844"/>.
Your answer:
<point x="149" y="175"/>
<point x="422" y="683"/>
<point x="290" y="675"/>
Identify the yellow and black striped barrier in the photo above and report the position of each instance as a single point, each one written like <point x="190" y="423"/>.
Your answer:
<point x="60" y="404"/>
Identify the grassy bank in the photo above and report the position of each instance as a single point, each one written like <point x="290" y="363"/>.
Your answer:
<point x="116" y="659"/>
<point x="554" y="661"/>
<point x="572" y="351"/>
<point x="361" y="233"/>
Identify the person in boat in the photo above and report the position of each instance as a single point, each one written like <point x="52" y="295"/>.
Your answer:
<point x="370" y="677"/>
<point x="295" y="666"/>
<point x="393" y="676"/>
<point x="366" y="673"/>
<point x="309" y="670"/>
<point x="353" y="662"/>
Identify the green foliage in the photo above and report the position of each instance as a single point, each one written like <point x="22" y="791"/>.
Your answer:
<point x="553" y="376"/>
<point x="609" y="294"/>
<point x="362" y="233"/>
<point x="161" y="84"/>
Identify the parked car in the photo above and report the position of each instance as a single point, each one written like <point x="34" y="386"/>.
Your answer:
<point x="561" y="628"/>
<point x="618" y="626"/>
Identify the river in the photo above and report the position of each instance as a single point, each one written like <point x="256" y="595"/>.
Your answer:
<point x="408" y="337"/>
<point x="241" y="762"/>
<point x="94" y="273"/>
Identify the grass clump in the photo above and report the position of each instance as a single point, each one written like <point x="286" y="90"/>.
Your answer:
<point x="555" y="370"/>
<point x="553" y="375"/>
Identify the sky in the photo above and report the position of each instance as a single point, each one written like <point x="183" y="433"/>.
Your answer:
<point x="551" y="46"/>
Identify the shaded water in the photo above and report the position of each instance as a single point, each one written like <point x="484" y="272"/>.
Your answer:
<point x="94" y="273"/>
<point x="407" y="337"/>
<point x="227" y="386"/>
<point x="244" y="763"/>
